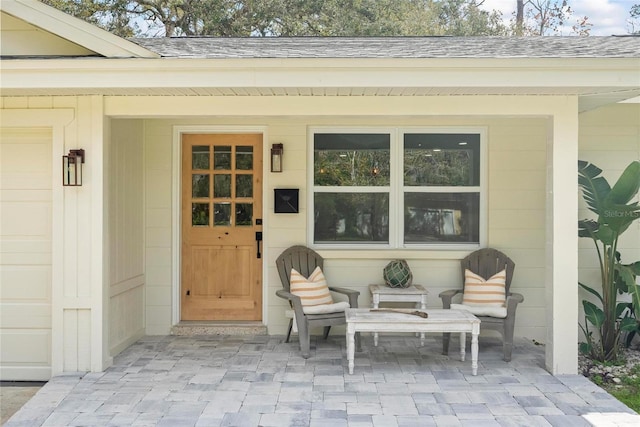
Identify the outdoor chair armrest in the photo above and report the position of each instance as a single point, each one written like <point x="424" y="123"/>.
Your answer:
<point x="447" y="296"/>
<point x="295" y="301"/>
<point x="512" y="302"/>
<point x="353" y="295"/>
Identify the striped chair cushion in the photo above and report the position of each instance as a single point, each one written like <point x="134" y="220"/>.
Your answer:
<point x="481" y="292"/>
<point x="313" y="290"/>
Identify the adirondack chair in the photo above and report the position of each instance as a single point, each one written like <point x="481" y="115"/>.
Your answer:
<point x="305" y="260"/>
<point x="486" y="263"/>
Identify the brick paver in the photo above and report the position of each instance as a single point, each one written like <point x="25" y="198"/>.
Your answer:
<point x="262" y="381"/>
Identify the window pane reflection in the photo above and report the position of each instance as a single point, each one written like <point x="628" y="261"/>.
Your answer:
<point x="222" y="157"/>
<point x="351" y="159"/>
<point x="222" y="213"/>
<point x="200" y="214"/>
<point x="351" y="217"/>
<point x="200" y="157"/>
<point x="441" y="218"/>
<point x="244" y="214"/>
<point x="222" y="186"/>
<point x="442" y="159"/>
<point x="244" y="158"/>
<point x="244" y="185"/>
<point x="199" y="185"/>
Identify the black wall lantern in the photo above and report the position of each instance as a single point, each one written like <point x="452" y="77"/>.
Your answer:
<point x="276" y="157"/>
<point x="72" y="168"/>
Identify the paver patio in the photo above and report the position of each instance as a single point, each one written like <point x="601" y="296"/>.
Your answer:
<point x="262" y="381"/>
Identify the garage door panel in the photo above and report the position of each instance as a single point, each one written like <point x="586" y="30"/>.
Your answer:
<point x="25" y="219"/>
<point x="35" y="283"/>
<point x="25" y="253"/>
<point x="25" y="195"/>
<point x="20" y="259"/>
<point x="20" y="347"/>
<point x="21" y="246"/>
<point x="25" y="159"/>
<point x="25" y="316"/>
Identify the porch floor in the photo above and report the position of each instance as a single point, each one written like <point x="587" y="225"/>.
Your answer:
<point x="262" y="381"/>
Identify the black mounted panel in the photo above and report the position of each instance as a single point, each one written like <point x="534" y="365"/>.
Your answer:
<point x="286" y="200"/>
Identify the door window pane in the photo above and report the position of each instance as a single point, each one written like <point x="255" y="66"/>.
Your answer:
<point x="244" y="214"/>
<point x="199" y="185"/>
<point x="351" y="217"/>
<point x="200" y="214"/>
<point x="441" y="217"/>
<point x="222" y="157"/>
<point x="222" y="186"/>
<point x="442" y="159"/>
<point x="244" y="185"/>
<point x="244" y="158"/>
<point x="222" y="214"/>
<point x="200" y="157"/>
<point x="351" y="159"/>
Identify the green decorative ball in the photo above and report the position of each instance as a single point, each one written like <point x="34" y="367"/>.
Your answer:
<point x="397" y="274"/>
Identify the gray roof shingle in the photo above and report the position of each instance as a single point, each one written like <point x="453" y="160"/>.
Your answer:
<point x="394" y="47"/>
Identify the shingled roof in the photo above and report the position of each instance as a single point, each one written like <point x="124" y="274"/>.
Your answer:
<point x="394" y="47"/>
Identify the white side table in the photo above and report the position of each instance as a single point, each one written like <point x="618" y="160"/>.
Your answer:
<point x="414" y="293"/>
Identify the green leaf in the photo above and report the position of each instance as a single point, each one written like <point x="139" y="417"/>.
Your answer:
<point x="593" y="314"/>
<point x="635" y="267"/>
<point x="621" y="307"/>
<point x="628" y="324"/>
<point x="634" y="290"/>
<point x="585" y="348"/>
<point x="606" y="235"/>
<point x="590" y="290"/>
<point x="627" y="185"/>
<point x="587" y="228"/>
<point x="595" y="189"/>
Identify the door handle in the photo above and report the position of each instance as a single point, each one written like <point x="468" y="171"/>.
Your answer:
<point x="258" y="240"/>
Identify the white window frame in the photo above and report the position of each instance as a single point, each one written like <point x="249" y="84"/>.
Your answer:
<point x="396" y="188"/>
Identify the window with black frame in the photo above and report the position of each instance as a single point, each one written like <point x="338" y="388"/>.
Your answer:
<point x="427" y="183"/>
<point x="441" y="188"/>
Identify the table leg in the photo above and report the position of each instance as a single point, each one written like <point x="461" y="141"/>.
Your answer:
<point x="351" y="344"/>
<point x="474" y="353"/>
<point x="423" y="306"/>
<point x="376" y="304"/>
<point x="463" y="341"/>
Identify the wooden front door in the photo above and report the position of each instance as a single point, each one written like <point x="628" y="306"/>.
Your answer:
<point x="221" y="227"/>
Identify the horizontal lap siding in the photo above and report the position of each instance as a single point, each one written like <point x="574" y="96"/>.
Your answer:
<point x="516" y="215"/>
<point x="609" y="138"/>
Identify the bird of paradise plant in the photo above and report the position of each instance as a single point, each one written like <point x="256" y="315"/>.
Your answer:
<point x="616" y="212"/>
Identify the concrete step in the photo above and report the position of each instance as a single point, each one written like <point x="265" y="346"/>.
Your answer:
<point x="191" y="328"/>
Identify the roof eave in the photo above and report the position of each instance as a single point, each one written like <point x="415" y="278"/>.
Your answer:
<point x="75" y="30"/>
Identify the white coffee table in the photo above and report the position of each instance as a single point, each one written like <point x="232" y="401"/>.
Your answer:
<point x="416" y="294"/>
<point x="439" y="320"/>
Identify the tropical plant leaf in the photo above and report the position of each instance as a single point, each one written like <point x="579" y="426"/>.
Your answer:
<point x="585" y="348"/>
<point x="626" y="276"/>
<point x="593" y="314"/>
<point x="634" y="290"/>
<point x="595" y="188"/>
<point x="587" y="228"/>
<point x="606" y="234"/>
<point x="591" y="291"/>
<point x="619" y="217"/>
<point x="628" y="324"/>
<point x="627" y="185"/>
<point x="621" y="307"/>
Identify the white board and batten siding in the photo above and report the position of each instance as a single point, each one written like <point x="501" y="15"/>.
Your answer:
<point x="25" y="253"/>
<point x="126" y="231"/>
